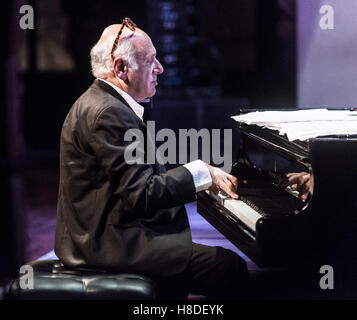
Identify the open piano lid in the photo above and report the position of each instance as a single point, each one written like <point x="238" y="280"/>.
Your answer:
<point x="289" y="131"/>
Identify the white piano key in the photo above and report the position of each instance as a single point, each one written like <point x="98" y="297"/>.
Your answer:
<point x="220" y="197"/>
<point x="243" y="212"/>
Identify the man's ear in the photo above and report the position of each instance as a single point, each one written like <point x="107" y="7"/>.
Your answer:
<point x="120" y="69"/>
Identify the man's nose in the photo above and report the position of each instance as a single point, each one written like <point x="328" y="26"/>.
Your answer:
<point x="159" y="69"/>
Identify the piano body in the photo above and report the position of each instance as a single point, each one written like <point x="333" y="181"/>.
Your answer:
<point x="271" y="225"/>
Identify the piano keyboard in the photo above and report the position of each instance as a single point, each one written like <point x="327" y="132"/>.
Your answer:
<point x="239" y="208"/>
<point x="243" y="212"/>
<point x="257" y="200"/>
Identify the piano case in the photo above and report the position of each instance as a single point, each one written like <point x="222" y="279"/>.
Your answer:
<point x="284" y="230"/>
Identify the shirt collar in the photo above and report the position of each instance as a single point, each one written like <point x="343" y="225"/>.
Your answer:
<point x="136" y="107"/>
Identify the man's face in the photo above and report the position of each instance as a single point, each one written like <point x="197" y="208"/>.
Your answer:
<point x="143" y="80"/>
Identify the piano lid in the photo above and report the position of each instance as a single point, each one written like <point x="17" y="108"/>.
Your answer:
<point x="304" y="124"/>
<point x="289" y="131"/>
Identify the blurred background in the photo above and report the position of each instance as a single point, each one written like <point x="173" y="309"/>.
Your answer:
<point x="219" y="56"/>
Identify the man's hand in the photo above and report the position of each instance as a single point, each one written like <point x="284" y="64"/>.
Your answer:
<point x="223" y="181"/>
<point x="301" y="181"/>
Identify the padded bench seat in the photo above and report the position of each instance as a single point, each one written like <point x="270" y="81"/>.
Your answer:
<point x="52" y="281"/>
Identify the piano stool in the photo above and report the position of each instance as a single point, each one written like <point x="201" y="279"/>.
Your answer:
<point x="52" y="281"/>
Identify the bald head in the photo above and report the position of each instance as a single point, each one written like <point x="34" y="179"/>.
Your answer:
<point x="131" y="43"/>
<point x="133" y="67"/>
<point x="109" y="34"/>
<point x="110" y="31"/>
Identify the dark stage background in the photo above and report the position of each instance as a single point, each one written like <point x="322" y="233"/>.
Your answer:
<point x="218" y="55"/>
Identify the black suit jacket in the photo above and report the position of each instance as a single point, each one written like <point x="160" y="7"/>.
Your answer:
<point x="113" y="215"/>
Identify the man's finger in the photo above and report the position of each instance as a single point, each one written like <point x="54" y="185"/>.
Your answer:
<point x="228" y="190"/>
<point x="229" y="184"/>
<point x="294" y="180"/>
<point x="295" y="174"/>
<point x="214" y="189"/>
<point x="233" y="180"/>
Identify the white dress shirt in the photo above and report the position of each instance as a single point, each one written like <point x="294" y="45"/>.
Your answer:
<point x="200" y="173"/>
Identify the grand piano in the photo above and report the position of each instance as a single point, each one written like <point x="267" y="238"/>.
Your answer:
<point x="270" y="223"/>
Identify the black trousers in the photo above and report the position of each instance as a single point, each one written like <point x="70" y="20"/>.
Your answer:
<point x="214" y="272"/>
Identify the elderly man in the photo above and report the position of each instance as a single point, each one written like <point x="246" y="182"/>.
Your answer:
<point x="124" y="217"/>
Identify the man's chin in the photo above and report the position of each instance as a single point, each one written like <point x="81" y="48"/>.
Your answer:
<point x="153" y="92"/>
<point x="150" y="94"/>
